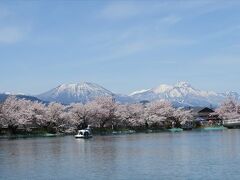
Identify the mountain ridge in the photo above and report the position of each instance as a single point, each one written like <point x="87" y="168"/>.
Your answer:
<point x="74" y="92"/>
<point x="183" y="93"/>
<point x="179" y="94"/>
<point x="4" y="96"/>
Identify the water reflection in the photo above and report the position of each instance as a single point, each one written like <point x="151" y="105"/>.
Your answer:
<point x="185" y="155"/>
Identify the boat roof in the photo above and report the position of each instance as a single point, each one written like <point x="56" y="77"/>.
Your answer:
<point x="83" y="130"/>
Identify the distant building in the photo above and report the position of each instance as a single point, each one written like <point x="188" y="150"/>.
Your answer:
<point x="202" y="113"/>
<point x="144" y="102"/>
<point x="206" y="115"/>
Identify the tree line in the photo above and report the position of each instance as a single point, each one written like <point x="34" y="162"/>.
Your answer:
<point x="101" y="113"/>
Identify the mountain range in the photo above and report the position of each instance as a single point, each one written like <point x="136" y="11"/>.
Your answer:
<point x="180" y="94"/>
<point x="183" y="94"/>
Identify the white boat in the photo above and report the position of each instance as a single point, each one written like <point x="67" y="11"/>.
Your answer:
<point x="231" y="123"/>
<point x="84" y="133"/>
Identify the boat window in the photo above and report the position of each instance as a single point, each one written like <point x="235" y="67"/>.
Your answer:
<point x="81" y="133"/>
<point x="86" y="133"/>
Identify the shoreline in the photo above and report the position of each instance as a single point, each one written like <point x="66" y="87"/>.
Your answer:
<point x="114" y="133"/>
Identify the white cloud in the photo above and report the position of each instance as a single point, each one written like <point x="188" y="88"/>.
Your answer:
<point x="223" y="32"/>
<point x="128" y="9"/>
<point x="11" y="35"/>
<point x="126" y="47"/>
<point x="10" y="29"/>
<point x="120" y="10"/>
<point x="4" y="12"/>
<point x="171" y="19"/>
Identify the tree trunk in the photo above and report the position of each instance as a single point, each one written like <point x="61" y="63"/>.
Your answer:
<point x="12" y="129"/>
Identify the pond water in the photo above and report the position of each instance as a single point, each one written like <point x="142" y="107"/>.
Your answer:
<point x="184" y="155"/>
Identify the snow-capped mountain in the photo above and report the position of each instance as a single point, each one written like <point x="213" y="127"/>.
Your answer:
<point x="180" y="94"/>
<point x="80" y="92"/>
<point x="72" y="93"/>
<point x="183" y="94"/>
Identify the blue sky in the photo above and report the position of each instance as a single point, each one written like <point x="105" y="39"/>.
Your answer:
<point x="121" y="45"/>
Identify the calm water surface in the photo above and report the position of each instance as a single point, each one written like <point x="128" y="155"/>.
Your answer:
<point x="185" y="155"/>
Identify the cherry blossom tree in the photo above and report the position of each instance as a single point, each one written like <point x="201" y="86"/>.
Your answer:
<point x="80" y="114"/>
<point x="55" y="120"/>
<point x="15" y="112"/>
<point x="39" y="117"/>
<point x="122" y="116"/>
<point x="229" y="109"/>
<point x="102" y="111"/>
<point x="183" y="116"/>
<point x="1" y="116"/>
<point x="131" y="115"/>
<point x="157" y="113"/>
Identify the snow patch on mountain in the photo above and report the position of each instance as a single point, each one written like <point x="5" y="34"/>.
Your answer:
<point x="140" y="91"/>
<point x="162" y="88"/>
<point x="80" y="93"/>
<point x="73" y="93"/>
<point x="184" y="94"/>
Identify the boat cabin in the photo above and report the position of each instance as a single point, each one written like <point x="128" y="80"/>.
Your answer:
<point x="84" y="133"/>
